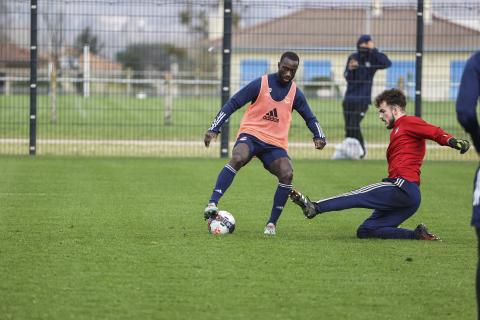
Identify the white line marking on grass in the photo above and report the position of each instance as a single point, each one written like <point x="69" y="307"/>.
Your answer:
<point x="27" y="194"/>
<point x="166" y="143"/>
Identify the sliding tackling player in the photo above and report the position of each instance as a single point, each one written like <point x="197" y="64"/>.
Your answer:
<point x="397" y="197"/>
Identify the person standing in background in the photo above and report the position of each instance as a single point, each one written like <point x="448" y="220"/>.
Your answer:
<point x="359" y="72"/>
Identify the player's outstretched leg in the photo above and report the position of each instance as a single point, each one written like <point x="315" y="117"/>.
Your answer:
<point x="422" y="233"/>
<point x="304" y="202"/>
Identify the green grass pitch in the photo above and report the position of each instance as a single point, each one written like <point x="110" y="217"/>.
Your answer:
<point x="120" y="238"/>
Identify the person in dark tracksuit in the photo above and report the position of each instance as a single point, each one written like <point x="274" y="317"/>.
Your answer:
<point x="397" y="197"/>
<point x="359" y="72"/>
<point x="466" y="107"/>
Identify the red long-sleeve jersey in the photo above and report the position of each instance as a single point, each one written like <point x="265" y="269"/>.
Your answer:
<point x="407" y="146"/>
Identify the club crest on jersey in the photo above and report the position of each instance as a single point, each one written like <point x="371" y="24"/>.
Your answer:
<point x="267" y="94"/>
<point x="272" y="115"/>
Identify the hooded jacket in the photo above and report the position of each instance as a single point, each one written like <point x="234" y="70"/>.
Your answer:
<point x="360" y="80"/>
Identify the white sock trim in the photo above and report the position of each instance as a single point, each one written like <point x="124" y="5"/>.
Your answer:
<point x="229" y="167"/>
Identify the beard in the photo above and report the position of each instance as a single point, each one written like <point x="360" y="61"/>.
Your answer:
<point x="391" y="123"/>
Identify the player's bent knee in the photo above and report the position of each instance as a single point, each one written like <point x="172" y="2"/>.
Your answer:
<point x="364" y="233"/>
<point x="237" y="161"/>
<point x="286" y="177"/>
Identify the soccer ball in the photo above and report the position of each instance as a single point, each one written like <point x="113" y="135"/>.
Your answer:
<point x="222" y="223"/>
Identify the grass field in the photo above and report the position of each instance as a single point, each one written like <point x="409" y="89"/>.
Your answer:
<point x="123" y="117"/>
<point x="119" y="238"/>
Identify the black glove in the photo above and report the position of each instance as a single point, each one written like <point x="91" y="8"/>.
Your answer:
<point x="459" y="144"/>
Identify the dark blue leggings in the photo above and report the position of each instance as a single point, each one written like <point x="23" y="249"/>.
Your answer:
<point x="393" y="201"/>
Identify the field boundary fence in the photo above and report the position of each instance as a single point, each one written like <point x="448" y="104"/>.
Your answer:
<point x="147" y="78"/>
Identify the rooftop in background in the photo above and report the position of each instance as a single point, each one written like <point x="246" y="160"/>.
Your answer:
<point x="98" y="63"/>
<point x="14" y="56"/>
<point x="336" y="28"/>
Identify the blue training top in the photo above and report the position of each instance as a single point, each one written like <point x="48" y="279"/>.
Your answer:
<point x="360" y="80"/>
<point x="467" y="98"/>
<point x="279" y="91"/>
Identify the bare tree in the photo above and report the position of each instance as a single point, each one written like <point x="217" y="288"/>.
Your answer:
<point x="88" y="38"/>
<point x="196" y="18"/>
<point x="54" y="21"/>
<point x="4" y="22"/>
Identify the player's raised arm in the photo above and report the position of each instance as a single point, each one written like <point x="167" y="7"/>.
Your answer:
<point x="425" y="130"/>
<point x="379" y="59"/>
<point x="242" y="97"/>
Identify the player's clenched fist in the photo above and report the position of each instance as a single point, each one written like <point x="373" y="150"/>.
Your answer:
<point x="320" y="143"/>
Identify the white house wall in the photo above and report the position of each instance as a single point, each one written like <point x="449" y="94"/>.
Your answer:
<point x="436" y="70"/>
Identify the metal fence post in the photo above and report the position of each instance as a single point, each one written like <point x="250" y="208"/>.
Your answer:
<point x="226" y="55"/>
<point x="33" y="78"/>
<point x="419" y="60"/>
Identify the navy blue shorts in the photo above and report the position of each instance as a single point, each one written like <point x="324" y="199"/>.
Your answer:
<point x="267" y="153"/>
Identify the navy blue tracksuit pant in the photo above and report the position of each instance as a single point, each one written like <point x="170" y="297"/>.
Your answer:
<point x="476" y="225"/>
<point x="393" y="201"/>
<point x="353" y="114"/>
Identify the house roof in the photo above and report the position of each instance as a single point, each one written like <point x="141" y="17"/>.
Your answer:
<point x="98" y="63"/>
<point x="339" y="28"/>
<point x="12" y="55"/>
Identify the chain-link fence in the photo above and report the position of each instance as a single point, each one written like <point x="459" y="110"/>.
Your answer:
<point x="143" y="78"/>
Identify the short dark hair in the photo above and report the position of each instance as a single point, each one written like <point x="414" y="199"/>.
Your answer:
<point x="392" y="97"/>
<point x="290" y="55"/>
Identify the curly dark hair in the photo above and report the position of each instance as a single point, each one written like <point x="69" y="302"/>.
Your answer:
<point x="392" y="97"/>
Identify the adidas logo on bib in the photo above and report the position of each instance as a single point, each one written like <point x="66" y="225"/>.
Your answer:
<point x="272" y="115"/>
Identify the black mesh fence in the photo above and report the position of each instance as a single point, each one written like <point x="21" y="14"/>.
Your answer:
<point x="139" y="78"/>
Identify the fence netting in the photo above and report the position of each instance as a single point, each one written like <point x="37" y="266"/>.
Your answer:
<point x="143" y="78"/>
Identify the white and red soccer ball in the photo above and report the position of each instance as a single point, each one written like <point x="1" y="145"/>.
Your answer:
<point x="222" y="223"/>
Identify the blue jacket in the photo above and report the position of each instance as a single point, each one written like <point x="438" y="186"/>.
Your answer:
<point x="360" y="80"/>
<point x="467" y="98"/>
